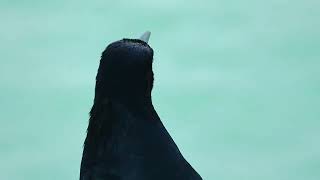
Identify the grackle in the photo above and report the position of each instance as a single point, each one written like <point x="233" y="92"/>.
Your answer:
<point x="126" y="139"/>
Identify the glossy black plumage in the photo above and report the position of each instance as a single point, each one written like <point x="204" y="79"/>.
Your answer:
<point x="126" y="139"/>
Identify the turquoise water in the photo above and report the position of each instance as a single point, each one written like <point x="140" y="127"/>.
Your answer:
<point x="236" y="83"/>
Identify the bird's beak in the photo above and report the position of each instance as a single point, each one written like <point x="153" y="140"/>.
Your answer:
<point x="145" y="36"/>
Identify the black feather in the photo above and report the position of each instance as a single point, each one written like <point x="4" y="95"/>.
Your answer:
<point x="126" y="139"/>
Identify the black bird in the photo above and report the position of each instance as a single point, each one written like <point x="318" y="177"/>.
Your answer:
<point x="126" y="139"/>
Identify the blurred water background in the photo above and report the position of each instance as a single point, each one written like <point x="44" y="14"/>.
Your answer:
<point x="236" y="83"/>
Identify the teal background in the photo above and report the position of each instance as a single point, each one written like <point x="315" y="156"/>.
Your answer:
<point x="236" y="83"/>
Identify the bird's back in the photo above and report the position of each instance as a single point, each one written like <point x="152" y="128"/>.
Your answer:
<point x="139" y="148"/>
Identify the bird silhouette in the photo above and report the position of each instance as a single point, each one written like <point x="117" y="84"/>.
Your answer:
<point x="126" y="139"/>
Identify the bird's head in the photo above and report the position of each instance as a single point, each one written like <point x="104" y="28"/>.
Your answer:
<point x="125" y="69"/>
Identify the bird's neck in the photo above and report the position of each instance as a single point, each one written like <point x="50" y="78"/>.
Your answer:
<point x="132" y="101"/>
